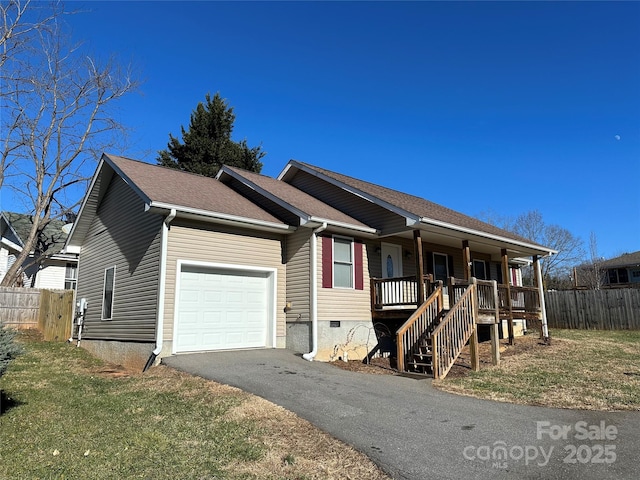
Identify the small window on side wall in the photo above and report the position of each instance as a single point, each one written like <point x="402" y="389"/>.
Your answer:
<point x="107" y="293"/>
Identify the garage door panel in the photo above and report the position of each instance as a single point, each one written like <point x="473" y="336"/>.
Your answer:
<point x="213" y="297"/>
<point x="186" y="340"/>
<point x="222" y="309"/>
<point x="235" y="298"/>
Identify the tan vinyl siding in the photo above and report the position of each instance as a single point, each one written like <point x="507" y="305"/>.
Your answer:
<point x="124" y="235"/>
<point x="193" y="241"/>
<point x="354" y="206"/>
<point x="345" y="304"/>
<point x="298" y="274"/>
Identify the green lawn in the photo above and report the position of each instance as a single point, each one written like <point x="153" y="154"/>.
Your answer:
<point x="587" y="369"/>
<point x="69" y="415"/>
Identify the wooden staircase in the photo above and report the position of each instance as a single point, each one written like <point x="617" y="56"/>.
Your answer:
<point x="422" y="361"/>
<point x="431" y="340"/>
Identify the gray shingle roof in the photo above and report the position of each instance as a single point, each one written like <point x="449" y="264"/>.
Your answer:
<point x="625" y="260"/>
<point x="53" y="237"/>
<point x="182" y="189"/>
<point x="419" y="206"/>
<point x="297" y="198"/>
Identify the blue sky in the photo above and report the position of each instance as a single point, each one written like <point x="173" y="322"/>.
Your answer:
<point x="497" y="106"/>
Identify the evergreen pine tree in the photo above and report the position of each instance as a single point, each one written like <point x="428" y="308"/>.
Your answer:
<point x="208" y="144"/>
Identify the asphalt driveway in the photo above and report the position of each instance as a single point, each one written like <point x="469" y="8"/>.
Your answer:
<point x="414" y="431"/>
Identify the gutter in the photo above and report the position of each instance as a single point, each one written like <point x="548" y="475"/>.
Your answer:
<point x="347" y="226"/>
<point x="314" y="293"/>
<point x="437" y="223"/>
<point x="161" y="288"/>
<point x="223" y="218"/>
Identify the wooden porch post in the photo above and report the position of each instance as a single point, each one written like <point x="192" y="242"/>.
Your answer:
<point x="417" y="246"/>
<point x="506" y="277"/>
<point x="493" y="332"/>
<point x="473" y="341"/>
<point x="466" y="259"/>
<point x="544" y="331"/>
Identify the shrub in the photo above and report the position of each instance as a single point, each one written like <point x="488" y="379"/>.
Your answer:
<point x="9" y="349"/>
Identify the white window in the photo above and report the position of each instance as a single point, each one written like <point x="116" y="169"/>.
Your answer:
<point x="342" y="262"/>
<point x="70" y="276"/>
<point x="107" y="293"/>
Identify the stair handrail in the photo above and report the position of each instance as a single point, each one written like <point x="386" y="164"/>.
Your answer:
<point x="454" y="331"/>
<point x="418" y="324"/>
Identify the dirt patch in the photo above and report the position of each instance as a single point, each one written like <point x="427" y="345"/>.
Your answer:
<point x="112" y="371"/>
<point x="524" y="344"/>
<point x="377" y="366"/>
<point x="462" y="367"/>
<point x="30" y="335"/>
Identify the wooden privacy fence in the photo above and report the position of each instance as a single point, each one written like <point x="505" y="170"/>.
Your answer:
<point x="611" y="309"/>
<point x="50" y="311"/>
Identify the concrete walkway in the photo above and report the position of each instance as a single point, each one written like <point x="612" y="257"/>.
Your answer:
<point x="414" y="431"/>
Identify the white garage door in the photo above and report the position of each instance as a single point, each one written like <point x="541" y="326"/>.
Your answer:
<point x="222" y="309"/>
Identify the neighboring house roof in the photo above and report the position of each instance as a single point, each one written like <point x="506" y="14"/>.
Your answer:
<point x="410" y="206"/>
<point x="8" y="237"/>
<point x="625" y="260"/>
<point x="303" y="205"/>
<point x="163" y="189"/>
<point x="54" y="236"/>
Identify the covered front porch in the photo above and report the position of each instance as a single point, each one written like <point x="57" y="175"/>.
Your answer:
<point x="390" y="297"/>
<point x="435" y="312"/>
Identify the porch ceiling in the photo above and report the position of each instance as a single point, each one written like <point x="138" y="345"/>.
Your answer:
<point x="478" y="243"/>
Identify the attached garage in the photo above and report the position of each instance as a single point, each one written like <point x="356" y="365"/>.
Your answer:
<point x="222" y="307"/>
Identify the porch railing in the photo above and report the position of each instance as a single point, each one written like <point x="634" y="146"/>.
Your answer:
<point x="418" y="327"/>
<point x="398" y="291"/>
<point x="524" y="300"/>
<point x="454" y="331"/>
<point x="487" y="293"/>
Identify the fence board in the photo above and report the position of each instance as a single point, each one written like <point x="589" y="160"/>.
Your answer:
<point x="50" y="311"/>
<point x="19" y="307"/>
<point x="611" y="309"/>
<point x="56" y="310"/>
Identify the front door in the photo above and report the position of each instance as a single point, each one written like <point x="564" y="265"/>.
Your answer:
<point x="391" y="260"/>
<point x="391" y="257"/>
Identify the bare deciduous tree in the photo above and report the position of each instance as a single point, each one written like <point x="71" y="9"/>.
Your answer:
<point x="591" y="274"/>
<point x="57" y="117"/>
<point x="530" y="225"/>
<point x="17" y="33"/>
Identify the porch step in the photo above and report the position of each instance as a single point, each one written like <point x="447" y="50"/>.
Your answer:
<point x="423" y="368"/>
<point x="415" y="375"/>
<point x="422" y="360"/>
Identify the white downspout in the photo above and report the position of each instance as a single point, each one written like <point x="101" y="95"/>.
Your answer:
<point x="314" y="293"/>
<point x="161" y="287"/>
<point x="545" y="329"/>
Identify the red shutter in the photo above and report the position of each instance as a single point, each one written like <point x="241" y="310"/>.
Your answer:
<point x="357" y="262"/>
<point x="327" y="262"/>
